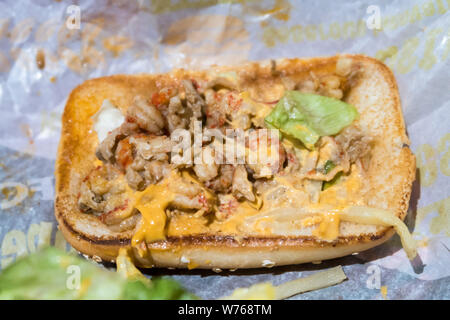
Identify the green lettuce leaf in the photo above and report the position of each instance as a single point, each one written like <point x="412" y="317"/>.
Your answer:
<point x="329" y="165"/>
<point x="52" y="274"/>
<point x="332" y="182"/>
<point x="307" y="117"/>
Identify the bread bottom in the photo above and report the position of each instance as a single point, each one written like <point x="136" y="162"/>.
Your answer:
<point x="209" y="251"/>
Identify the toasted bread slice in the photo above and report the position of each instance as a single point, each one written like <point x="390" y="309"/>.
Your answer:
<point x="389" y="177"/>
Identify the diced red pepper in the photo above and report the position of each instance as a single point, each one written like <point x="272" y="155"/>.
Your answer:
<point x="124" y="153"/>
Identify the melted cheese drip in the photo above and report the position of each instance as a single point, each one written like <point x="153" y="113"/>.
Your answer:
<point x="311" y="221"/>
<point x="152" y="203"/>
<point x="328" y="228"/>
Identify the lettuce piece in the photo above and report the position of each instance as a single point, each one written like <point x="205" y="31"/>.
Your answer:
<point x="52" y="274"/>
<point x="329" y="165"/>
<point x="307" y="117"/>
<point x="332" y="182"/>
<point x="162" y="288"/>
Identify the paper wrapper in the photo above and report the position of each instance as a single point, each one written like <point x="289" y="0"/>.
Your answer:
<point x="42" y="58"/>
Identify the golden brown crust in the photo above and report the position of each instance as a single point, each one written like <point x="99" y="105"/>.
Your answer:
<point x="392" y="173"/>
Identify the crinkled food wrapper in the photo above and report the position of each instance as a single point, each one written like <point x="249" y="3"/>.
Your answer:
<point x="49" y="47"/>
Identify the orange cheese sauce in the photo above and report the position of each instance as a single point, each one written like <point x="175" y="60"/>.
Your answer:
<point x="182" y="225"/>
<point x="153" y="201"/>
<point x="328" y="228"/>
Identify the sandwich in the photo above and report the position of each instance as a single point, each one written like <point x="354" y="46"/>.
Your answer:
<point x="267" y="163"/>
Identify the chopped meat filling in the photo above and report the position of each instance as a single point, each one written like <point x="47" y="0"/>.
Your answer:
<point x="138" y="153"/>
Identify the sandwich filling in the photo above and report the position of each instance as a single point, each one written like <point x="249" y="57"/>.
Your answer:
<point x="211" y="155"/>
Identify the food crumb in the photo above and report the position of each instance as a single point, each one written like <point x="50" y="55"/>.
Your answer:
<point x="6" y="192"/>
<point x="40" y="59"/>
<point x="53" y="79"/>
